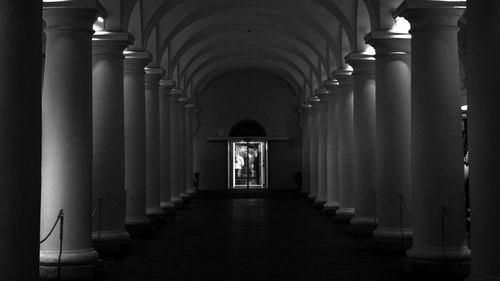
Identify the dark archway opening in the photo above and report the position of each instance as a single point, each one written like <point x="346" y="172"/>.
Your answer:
<point x="247" y="128"/>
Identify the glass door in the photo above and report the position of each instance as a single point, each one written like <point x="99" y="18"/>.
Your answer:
<point x="247" y="164"/>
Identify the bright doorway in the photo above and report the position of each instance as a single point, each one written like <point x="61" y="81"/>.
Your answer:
<point x="247" y="164"/>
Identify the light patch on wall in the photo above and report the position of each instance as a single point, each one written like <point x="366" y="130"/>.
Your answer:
<point x="464" y="107"/>
<point x="401" y="25"/>
<point x="98" y="24"/>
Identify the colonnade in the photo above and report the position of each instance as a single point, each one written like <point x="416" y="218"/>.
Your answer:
<point x="394" y="157"/>
<point x="115" y="143"/>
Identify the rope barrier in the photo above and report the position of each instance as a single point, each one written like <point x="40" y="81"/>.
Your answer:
<point x="98" y="207"/>
<point x="60" y="219"/>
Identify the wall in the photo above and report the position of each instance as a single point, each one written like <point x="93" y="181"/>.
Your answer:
<point x="247" y="94"/>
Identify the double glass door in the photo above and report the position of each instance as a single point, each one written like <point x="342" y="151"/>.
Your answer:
<point x="247" y="169"/>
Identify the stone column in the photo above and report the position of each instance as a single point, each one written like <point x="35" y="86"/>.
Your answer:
<point x="136" y="222"/>
<point x="175" y="181"/>
<point x="322" y="93"/>
<point x="67" y="140"/>
<point x="183" y="101"/>
<point x="189" y="149"/>
<point x="345" y="151"/>
<point x="313" y="146"/>
<point x="20" y="127"/>
<point x="166" y="85"/>
<point x="332" y="148"/>
<point x="439" y="244"/>
<point x="108" y="196"/>
<point x="392" y="140"/>
<point x="305" y="111"/>
<point x="153" y="208"/>
<point x="483" y="103"/>
<point x="364" y="222"/>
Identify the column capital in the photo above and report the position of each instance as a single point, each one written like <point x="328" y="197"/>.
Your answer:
<point x="168" y="83"/>
<point x="175" y="94"/>
<point x="314" y="102"/>
<point x="438" y="14"/>
<point x="362" y="63"/>
<point x="388" y="42"/>
<point x="153" y="75"/>
<point x="110" y="44"/>
<point x="70" y="15"/>
<point x="344" y="76"/>
<point x="184" y="99"/>
<point x="322" y="93"/>
<point x="330" y="83"/>
<point x="136" y="61"/>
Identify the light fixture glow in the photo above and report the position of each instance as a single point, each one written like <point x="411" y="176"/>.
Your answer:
<point x="100" y="19"/>
<point x="464" y="107"/>
<point x="401" y="25"/>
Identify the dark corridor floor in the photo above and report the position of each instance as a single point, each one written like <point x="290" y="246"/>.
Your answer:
<point x="275" y="237"/>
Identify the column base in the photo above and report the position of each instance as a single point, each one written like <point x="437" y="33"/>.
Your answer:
<point x="177" y="203"/>
<point x="111" y="243"/>
<point x="75" y="265"/>
<point x="319" y="202"/>
<point x="185" y="198"/>
<point x="393" y="239"/>
<point x="138" y="227"/>
<point x="168" y="208"/>
<point x="363" y="225"/>
<point x="156" y="216"/>
<point x="311" y="198"/>
<point x="330" y="208"/>
<point x="344" y="215"/>
<point x="447" y="264"/>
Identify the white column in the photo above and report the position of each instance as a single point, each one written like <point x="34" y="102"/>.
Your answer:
<point x="20" y="127"/>
<point x="175" y="189"/>
<point x="108" y="196"/>
<point x="364" y="222"/>
<point x="136" y="222"/>
<point x="332" y="148"/>
<point x="152" y="96"/>
<point x="439" y="244"/>
<point x="345" y="152"/>
<point x="392" y="140"/>
<point x="483" y="102"/>
<point x="322" y="93"/>
<point x="313" y="146"/>
<point x="183" y="101"/>
<point x="166" y="85"/>
<point x="304" y="122"/>
<point x="67" y="141"/>
<point x="189" y="149"/>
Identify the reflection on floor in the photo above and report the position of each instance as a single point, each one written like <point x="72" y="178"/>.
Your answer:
<point x="233" y="236"/>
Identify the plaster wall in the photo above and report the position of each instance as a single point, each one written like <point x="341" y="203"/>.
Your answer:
<point x="247" y="94"/>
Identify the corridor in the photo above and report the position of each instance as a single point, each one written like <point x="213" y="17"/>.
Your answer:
<point x="258" y="235"/>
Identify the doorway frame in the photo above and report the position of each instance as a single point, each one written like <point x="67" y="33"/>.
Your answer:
<point x="230" y="168"/>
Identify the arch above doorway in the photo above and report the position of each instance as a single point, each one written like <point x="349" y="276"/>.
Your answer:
<point x="247" y="128"/>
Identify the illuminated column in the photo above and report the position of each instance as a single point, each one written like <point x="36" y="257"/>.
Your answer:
<point x="437" y="180"/>
<point x="313" y="145"/>
<point x="175" y="189"/>
<point x="20" y="124"/>
<point x="364" y="222"/>
<point x="483" y="102"/>
<point x="136" y="222"/>
<point x="322" y="93"/>
<point x="332" y="148"/>
<point x="345" y="150"/>
<point x="166" y="85"/>
<point x="183" y="101"/>
<point x="108" y="196"/>
<point x="305" y="112"/>
<point x="152" y="96"/>
<point x="189" y="149"/>
<point x="67" y="140"/>
<point x="392" y="139"/>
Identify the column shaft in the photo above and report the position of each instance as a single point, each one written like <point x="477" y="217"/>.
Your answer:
<point x="392" y="140"/>
<point x="313" y="146"/>
<point x="364" y="222"/>
<point x="189" y="149"/>
<point x="153" y="208"/>
<point x="439" y="245"/>
<point x="20" y="134"/>
<point x="322" y="145"/>
<point x="332" y="154"/>
<point x="136" y="222"/>
<point x="67" y="141"/>
<point x="306" y="111"/>
<point x="345" y="151"/>
<point x="483" y="102"/>
<point x="108" y="232"/>
<point x="175" y="189"/>
<point x="183" y="150"/>
<point x="165" y="173"/>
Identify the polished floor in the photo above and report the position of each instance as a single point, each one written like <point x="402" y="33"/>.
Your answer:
<point x="246" y="236"/>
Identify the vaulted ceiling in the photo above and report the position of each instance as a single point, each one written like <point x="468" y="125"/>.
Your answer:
<point x="302" y="41"/>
